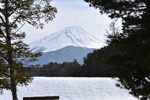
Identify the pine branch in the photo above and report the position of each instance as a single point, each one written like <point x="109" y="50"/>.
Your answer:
<point x="2" y="11"/>
<point x="15" y="21"/>
<point x="13" y="11"/>
<point x="5" y="58"/>
<point x="2" y="32"/>
<point x="2" y="20"/>
<point x="19" y="28"/>
<point x="4" y="74"/>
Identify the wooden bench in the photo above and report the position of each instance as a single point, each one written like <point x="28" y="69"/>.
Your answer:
<point x="42" y="98"/>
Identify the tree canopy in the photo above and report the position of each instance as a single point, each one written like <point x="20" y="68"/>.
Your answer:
<point x="132" y="66"/>
<point x="94" y="63"/>
<point x="15" y="56"/>
<point x="54" y="69"/>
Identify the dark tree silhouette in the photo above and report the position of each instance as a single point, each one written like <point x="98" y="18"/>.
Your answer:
<point x="132" y="64"/>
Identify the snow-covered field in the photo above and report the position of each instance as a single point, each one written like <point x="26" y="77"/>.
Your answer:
<point x="72" y="89"/>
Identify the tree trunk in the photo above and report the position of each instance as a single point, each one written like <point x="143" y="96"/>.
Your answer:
<point x="10" y="52"/>
<point x="14" y="90"/>
<point x="14" y="94"/>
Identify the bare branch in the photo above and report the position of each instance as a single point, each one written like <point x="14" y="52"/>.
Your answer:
<point x="2" y="32"/>
<point x="13" y="11"/>
<point x="4" y="57"/>
<point x="15" y="21"/>
<point x="2" y="11"/>
<point x="4" y="74"/>
<point x="2" y="20"/>
<point x="20" y="28"/>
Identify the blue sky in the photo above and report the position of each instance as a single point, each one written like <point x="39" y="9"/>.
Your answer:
<point x="71" y="12"/>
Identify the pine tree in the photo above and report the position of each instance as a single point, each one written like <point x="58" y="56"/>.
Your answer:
<point x="132" y="66"/>
<point x="15" y="56"/>
<point x="94" y="63"/>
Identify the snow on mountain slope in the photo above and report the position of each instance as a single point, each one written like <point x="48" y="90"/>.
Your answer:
<point x="69" y="36"/>
<point x="72" y="89"/>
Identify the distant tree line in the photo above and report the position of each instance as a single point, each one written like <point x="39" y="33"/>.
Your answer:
<point x="54" y="69"/>
<point x="94" y="66"/>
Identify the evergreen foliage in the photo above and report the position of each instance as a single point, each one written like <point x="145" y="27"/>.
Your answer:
<point x="94" y="63"/>
<point x="15" y="55"/>
<point x="53" y="69"/>
<point x="132" y="66"/>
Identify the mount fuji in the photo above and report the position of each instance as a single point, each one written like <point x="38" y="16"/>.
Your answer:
<point x="66" y="45"/>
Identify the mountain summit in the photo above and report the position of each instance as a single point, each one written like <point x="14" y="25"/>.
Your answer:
<point x="69" y="36"/>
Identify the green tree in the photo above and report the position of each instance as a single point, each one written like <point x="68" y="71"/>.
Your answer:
<point x="132" y="63"/>
<point x="15" y="55"/>
<point x="65" y="69"/>
<point x="94" y="63"/>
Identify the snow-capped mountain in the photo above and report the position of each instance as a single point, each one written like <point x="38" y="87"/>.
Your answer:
<point x="69" y="36"/>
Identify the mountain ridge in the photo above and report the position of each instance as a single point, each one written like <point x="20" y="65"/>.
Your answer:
<point x="66" y="54"/>
<point x="69" y="36"/>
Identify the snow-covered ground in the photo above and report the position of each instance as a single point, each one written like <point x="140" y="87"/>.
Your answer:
<point x="72" y="89"/>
